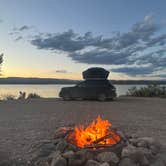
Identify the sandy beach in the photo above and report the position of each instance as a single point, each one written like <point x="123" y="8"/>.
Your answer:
<point x="22" y="123"/>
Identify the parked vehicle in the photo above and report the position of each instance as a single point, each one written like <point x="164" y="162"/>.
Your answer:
<point x="89" y="89"/>
<point x="95" y="86"/>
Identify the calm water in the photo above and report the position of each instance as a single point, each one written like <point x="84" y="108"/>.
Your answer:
<point x="49" y="90"/>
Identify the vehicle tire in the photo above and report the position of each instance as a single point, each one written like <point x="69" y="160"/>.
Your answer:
<point x="79" y="98"/>
<point x="66" y="97"/>
<point x="102" y="97"/>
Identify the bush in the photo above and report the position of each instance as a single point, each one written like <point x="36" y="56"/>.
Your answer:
<point x="22" y="95"/>
<point x="148" y="91"/>
<point x="33" y="96"/>
<point x="8" y="97"/>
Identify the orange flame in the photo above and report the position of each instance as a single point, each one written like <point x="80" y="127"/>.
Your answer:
<point x="99" y="128"/>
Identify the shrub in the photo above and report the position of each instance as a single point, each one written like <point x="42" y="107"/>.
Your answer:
<point x="148" y="91"/>
<point x="8" y="97"/>
<point x="33" y="96"/>
<point x="22" y="95"/>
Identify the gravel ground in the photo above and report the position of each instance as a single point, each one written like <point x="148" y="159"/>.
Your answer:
<point x="22" y="123"/>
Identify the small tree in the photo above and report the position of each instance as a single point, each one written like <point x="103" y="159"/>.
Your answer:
<point x="1" y="60"/>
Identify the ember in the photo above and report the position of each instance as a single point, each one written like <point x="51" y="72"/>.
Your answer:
<point x="96" y="133"/>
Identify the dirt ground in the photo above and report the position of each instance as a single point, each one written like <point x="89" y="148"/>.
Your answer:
<point x="25" y="122"/>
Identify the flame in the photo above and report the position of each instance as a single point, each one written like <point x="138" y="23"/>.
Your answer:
<point x="97" y="129"/>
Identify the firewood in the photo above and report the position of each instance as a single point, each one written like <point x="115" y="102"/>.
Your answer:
<point x="102" y="139"/>
<point x="110" y="135"/>
<point x="96" y="146"/>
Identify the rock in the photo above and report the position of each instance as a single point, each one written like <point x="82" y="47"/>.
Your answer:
<point x="84" y="155"/>
<point x="147" y="153"/>
<point x="135" y="154"/>
<point x="158" y="162"/>
<point x="75" y="162"/>
<point x="80" y="158"/>
<point x="71" y="147"/>
<point x="44" y="151"/>
<point x="68" y="154"/>
<point x="59" y="161"/>
<point x="127" y="162"/>
<point x="62" y="132"/>
<point x="56" y="141"/>
<point x="128" y="151"/>
<point x="48" y="148"/>
<point x="109" y="157"/>
<point x="133" y="141"/>
<point x="148" y="141"/>
<point x="104" y="164"/>
<point x="142" y="143"/>
<point x="61" y="146"/>
<point x="42" y="163"/>
<point x="92" y="163"/>
<point x="143" y="161"/>
<point x="154" y="149"/>
<point x="161" y="158"/>
<point x="54" y="154"/>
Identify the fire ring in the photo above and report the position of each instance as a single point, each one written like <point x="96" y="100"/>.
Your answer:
<point x="96" y="135"/>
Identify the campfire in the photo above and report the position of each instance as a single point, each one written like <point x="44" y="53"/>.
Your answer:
<point x="97" y="134"/>
<point x="97" y="144"/>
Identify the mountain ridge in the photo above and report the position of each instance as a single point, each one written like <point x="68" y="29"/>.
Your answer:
<point x="38" y="80"/>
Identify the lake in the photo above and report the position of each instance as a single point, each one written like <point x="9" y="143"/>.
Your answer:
<point x="49" y="90"/>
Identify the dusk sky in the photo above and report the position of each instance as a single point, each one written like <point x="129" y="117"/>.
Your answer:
<point x="61" y="38"/>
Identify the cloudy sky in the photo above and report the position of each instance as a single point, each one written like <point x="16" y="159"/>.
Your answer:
<point x="61" y="38"/>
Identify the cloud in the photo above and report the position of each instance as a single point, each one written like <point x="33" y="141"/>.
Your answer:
<point x="22" y="28"/>
<point x="133" y="71"/>
<point x="66" y="41"/>
<point x="98" y="56"/>
<point x="1" y="20"/>
<point x="161" y="75"/>
<point x="61" y="71"/>
<point x="143" y="44"/>
<point x="18" y="38"/>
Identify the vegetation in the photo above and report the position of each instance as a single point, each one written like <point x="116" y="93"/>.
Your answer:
<point x="148" y="91"/>
<point x="8" y="97"/>
<point x="1" y="60"/>
<point x="33" y="96"/>
<point x="22" y="96"/>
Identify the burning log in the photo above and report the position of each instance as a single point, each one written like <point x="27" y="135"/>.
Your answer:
<point x="97" y="132"/>
<point x="111" y="135"/>
<point x="97" y="146"/>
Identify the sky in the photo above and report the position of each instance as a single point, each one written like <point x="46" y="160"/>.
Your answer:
<point x="62" y="38"/>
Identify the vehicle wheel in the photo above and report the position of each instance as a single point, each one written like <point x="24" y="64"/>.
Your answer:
<point x="102" y="97"/>
<point x="79" y="98"/>
<point x="66" y="97"/>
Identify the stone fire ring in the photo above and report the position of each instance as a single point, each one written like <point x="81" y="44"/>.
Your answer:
<point x="129" y="151"/>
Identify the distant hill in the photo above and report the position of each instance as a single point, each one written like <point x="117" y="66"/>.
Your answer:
<point x="22" y="80"/>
